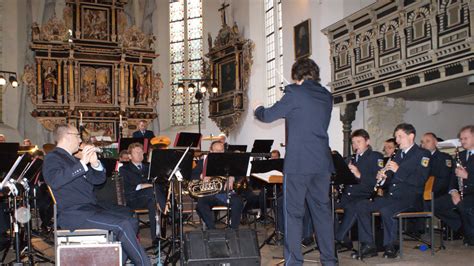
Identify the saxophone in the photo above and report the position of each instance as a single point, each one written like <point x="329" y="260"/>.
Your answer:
<point x="460" y="180"/>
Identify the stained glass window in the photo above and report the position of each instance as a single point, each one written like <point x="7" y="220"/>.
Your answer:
<point x="185" y="58"/>
<point x="273" y="49"/>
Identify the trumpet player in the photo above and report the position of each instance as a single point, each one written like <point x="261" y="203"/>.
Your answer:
<point x="364" y="165"/>
<point x="455" y="211"/>
<point x="410" y="172"/>
<point x="205" y="204"/>
<point x="72" y="182"/>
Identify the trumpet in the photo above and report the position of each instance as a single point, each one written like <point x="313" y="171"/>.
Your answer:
<point x="460" y="181"/>
<point x="96" y="150"/>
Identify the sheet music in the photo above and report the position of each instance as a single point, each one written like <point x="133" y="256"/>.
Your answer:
<point x="266" y="176"/>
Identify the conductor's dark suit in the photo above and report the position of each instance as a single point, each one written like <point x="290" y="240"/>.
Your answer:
<point x="308" y="165"/>
<point x="368" y="163"/>
<point x="405" y="191"/>
<point x="148" y="134"/>
<point x="463" y="213"/>
<point x="72" y="186"/>
<point x="143" y="198"/>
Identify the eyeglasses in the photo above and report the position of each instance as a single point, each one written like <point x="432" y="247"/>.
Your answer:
<point x="77" y="134"/>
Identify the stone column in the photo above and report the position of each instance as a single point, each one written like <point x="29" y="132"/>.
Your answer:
<point x="347" y="115"/>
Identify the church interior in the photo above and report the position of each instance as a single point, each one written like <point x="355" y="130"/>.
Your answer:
<point x="117" y="69"/>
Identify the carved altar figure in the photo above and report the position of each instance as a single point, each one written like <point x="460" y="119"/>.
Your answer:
<point x="49" y="84"/>
<point x="142" y="86"/>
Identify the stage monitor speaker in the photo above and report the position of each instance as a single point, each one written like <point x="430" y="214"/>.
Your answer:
<point x="221" y="247"/>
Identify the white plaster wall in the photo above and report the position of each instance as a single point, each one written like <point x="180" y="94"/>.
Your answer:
<point x="249" y="15"/>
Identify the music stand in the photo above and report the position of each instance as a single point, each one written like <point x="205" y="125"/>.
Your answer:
<point x="227" y="164"/>
<point x="165" y="165"/>
<point x="263" y="166"/>
<point x="239" y="148"/>
<point x="188" y="139"/>
<point x="262" y="146"/>
<point x="342" y="176"/>
<point x="8" y="155"/>
<point x="125" y="142"/>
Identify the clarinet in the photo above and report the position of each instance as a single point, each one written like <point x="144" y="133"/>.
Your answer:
<point x="378" y="191"/>
<point x="460" y="180"/>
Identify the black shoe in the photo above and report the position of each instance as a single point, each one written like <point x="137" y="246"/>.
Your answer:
<point x="391" y="252"/>
<point x="309" y="241"/>
<point x="368" y="251"/>
<point x="343" y="246"/>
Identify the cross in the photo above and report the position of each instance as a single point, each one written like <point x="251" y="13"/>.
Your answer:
<point x="222" y="10"/>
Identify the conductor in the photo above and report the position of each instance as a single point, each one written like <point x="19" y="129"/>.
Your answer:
<point x="306" y="107"/>
<point x="72" y="181"/>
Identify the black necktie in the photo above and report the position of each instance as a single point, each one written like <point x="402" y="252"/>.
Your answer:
<point x="469" y="154"/>
<point x="139" y="166"/>
<point x="403" y="154"/>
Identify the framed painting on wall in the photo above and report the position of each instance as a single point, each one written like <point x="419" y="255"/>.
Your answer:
<point x="302" y="39"/>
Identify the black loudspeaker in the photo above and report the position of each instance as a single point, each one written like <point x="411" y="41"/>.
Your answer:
<point x="222" y="247"/>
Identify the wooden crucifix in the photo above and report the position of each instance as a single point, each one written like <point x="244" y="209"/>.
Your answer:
<point x="222" y="10"/>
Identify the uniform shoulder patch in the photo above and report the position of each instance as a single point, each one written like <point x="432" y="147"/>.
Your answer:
<point x="425" y="161"/>
<point x="449" y="163"/>
<point x="380" y="163"/>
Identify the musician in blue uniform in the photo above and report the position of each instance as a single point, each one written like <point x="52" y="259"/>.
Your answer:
<point x="364" y="165"/>
<point x="205" y="204"/>
<point x="142" y="131"/>
<point x="306" y="107"/>
<point x="441" y="165"/>
<point x="72" y="182"/>
<point x="406" y="174"/>
<point x="138" y="189"/>
<point x="457" y="212"/>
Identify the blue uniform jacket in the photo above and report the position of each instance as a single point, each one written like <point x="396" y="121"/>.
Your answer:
<point x="441" y="167"/>
<point x="72" y="187"/>
<point x="369" y="163"/>
<point x="408" y="183"/>
<point x="148" y="134"/>
<point x="307" y="110"/>
<point x="132" y="177"/>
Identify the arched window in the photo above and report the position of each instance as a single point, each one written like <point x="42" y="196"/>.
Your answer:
<point x="454" y="15"/>
<point x="343" y="54"/>
<point x="273" y="49"/>
<point x="185" y="58"/>
<point x="419" y="28"/>
<point x="365" y="48"/>
<point x="390" y="39"/>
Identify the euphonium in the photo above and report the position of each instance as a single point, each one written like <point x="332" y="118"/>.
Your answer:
<point x="198" y="188"/>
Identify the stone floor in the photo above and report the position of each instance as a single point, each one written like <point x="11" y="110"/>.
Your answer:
<point x="454" y="254"/>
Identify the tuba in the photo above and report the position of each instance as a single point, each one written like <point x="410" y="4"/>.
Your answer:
<point x="198" y="189"/>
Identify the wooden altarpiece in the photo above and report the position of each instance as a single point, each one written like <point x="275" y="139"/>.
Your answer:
<point x="92" y="63"/>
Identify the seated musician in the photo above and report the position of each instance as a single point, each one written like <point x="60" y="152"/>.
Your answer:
<point x="407" y="174"/>
<point x="72" y="182"/>
<point x="364" y="165"/>
<point x="205" y="204"/>
<point x="124" y="156"/>
<point x="455" y="210"/>
<point x="139" y="190"/>
<point x="390" y="146"/>
<point x="441" y="165"/>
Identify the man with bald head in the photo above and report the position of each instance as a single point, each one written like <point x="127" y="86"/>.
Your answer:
<point x="441" y="164"/>
<point x="72" y="182"/>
